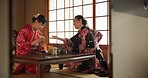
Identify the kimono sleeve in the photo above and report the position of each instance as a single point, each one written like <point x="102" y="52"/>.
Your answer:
<point x="71" y="43"/>
<point x="90" y="43"/>
<point x="22" y="43"/>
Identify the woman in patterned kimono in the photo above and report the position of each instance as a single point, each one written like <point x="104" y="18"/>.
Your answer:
<point x="28" y="38"/>
<point x="85" y="41"/>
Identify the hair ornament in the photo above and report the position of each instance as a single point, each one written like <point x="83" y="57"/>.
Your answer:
<point x="36" y="15"/>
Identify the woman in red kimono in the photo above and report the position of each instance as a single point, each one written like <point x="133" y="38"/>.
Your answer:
<point x="28" y="38"/>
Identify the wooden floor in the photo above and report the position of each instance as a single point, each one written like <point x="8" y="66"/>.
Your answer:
<point x="56" y="73"/>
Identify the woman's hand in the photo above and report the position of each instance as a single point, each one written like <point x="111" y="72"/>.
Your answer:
<point x="56" y="37"/>
<point x="39" y="40"/>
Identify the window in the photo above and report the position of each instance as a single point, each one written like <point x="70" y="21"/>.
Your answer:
<point x="62" y="12"/>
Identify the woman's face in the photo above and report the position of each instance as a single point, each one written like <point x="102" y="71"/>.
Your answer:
<point x="77" y="23"/>
<point x="38" y="25"/>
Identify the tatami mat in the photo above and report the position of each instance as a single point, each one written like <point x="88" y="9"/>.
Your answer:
<point x="64" y="73"/>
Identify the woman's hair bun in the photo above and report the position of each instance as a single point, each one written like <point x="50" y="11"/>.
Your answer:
<point x="40" y="18"/>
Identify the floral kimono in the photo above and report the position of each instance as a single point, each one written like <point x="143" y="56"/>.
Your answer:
<point x="85" y="41"/>
<point x="82" y="42"/>
<point x="23" y="41"/>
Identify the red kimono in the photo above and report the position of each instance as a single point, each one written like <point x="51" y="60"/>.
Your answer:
<point x="23" y="41"/>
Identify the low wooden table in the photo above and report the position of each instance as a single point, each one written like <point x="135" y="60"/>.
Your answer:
<point x="40" y="60"/>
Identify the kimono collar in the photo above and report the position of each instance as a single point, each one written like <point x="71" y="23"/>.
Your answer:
<point x="83" y="28"/>
<point x="34" y="30"/>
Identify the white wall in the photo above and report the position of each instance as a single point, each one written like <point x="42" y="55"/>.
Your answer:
<point x="129" y="46"/>
<point x="4" y="39"/>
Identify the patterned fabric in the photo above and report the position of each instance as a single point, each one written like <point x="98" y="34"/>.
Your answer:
<point x="25" y="36"/>
<point x="86" y="41"/>
<point x="24" y="39"/>
<point x="82" y="42"/>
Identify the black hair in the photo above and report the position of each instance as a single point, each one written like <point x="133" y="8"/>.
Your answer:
<point x="84" y="22"/>
<point x="14" y="35"/>
<point x="40" y="18"/>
